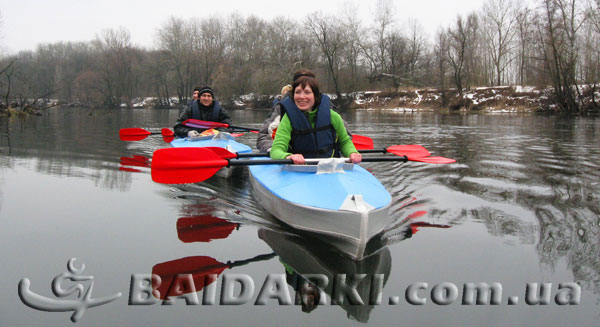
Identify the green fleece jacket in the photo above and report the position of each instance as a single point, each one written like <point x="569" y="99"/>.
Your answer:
<point x="281" y="143"/>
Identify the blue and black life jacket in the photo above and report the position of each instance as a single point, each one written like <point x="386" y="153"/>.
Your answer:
<point x="317" y="142"/>
<point x="196" y="114"/>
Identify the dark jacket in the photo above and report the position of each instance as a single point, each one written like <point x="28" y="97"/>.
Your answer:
<point x="204" y="113"/>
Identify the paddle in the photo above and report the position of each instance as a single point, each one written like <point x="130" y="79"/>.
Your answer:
<point x="362" y="142"/>
<point x="410" y="151"/>
<point x="137" y="134"/>
<point x="192" y="165"/>
<point x="204" y="271"/>
<point x="204" y="228"/>
<point x="211" y="124"/>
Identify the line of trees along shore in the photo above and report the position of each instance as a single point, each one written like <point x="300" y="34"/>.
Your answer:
<point x="553" y="43"/>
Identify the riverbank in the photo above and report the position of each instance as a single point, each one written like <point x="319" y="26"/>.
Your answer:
<point x="483" y="99"/>
<point x="502" y="99"/>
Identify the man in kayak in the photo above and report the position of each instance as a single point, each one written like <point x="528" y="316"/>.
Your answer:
<point x="204" y="108"/>
<point x="264" y="141"/>
<point x="310" y="128"/>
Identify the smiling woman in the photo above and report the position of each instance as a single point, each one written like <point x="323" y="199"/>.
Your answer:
<point x="309" y="128"/>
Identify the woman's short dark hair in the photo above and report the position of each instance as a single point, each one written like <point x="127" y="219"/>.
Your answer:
<point x="303" y="72"/>
<point x="310" y="82"/>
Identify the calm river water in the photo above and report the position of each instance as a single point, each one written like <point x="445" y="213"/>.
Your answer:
<point x="520" y="207"/>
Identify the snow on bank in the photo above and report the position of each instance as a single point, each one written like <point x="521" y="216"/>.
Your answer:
<point x="503" y="99"/>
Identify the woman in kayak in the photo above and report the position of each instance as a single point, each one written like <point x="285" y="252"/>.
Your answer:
<point x="204" y="108"/>
<point x="264" y="141"/>
<point x="309" y="128"/>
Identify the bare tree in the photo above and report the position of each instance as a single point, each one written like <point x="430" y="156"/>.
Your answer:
<point x="279" y="38"/>
<point x="594" y="14"/>
<point x="440" y="53"/>
<point x="558" y="41"/>
<point x="397" y="58"/>
<point x="6" y="79"/>
<point x="525" y="35"/>
<point x="328" y="34"/>
<point x="416" y="47"/>
<point x="210" y="48"/>
<point x="384" y="19"/>
<point x="116" y="62"/>
<point x="176" y="38"/>
<point x="498" y="30"/>
<point x="458" y="39"/>
<point x="354" y="34"/>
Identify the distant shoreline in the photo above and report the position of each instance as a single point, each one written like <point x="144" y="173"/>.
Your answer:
<point x="502" y="99"/>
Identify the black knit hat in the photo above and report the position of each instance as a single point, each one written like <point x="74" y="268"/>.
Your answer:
<point x="206" y="89"/>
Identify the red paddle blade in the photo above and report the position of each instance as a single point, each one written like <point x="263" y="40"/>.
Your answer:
<point x="222" y="152"/>
<point x="362" y="142"/>
<point x="409" y="150"/>
<point x="173" y="274"/>
<point x="433" y="160"/>
<point x="203" y="228"/>
<point x="237" y="134"/>
<point x="133" y="131"/>
<point x="167" y="132"/>
<point x="185" y="165"/>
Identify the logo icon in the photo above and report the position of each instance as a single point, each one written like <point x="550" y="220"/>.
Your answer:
<point x="82" y="288"/>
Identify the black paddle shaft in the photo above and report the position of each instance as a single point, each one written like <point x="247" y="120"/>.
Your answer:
<point x="253" y="155"/>
<point x="238" y="162"/>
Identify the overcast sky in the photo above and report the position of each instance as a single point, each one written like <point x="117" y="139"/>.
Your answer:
<point x="27" y="23"/>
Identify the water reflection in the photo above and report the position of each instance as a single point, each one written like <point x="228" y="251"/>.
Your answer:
<point x="204" y="228"/>
<point x="192" y="274"/>
<point x="310" y="258"/>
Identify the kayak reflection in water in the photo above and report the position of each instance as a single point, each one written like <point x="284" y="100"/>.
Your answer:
<point x="307" y="294"/>
<point x="310" y="128"/>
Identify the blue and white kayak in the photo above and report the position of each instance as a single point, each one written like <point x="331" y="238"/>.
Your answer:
<point x="221" y="140"/>
<point x="347" y="202"/>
